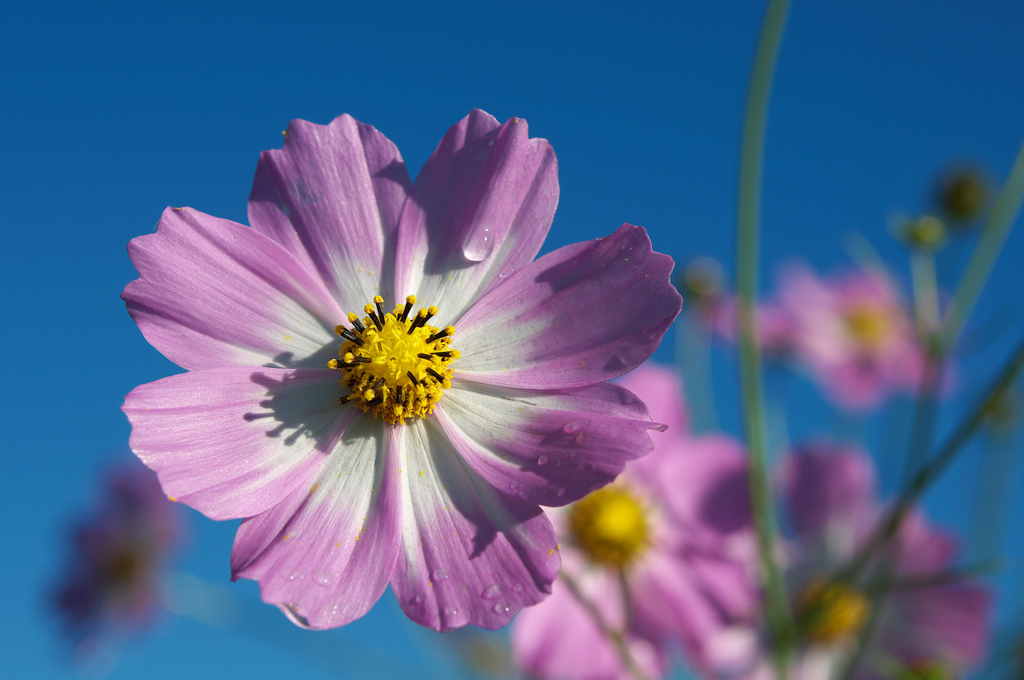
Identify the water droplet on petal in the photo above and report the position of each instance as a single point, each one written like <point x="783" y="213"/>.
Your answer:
<point x="491" y="591"/>
<point x="572" y="426"/>
<point x="542" y="460"/>
<point x="500" y="608"/>
<point x="439" y="574"/>
<point x="478" y="244"/>
<point x="418" y="599"/>
<point x="322" y="578"/>
<point x="518" y="587"/>
<point x="560" y="492"/>
<point x="450" y="612"/>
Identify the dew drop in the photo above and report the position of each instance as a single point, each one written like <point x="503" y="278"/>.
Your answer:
<point x="492" y="591"/>
<point x="500" y="608"/>
<point x="450" y="612"/>
<point x="418" y="599"/>
<point x="478" y="244"/>
<point x="322" y="578"/>
<point x="439" y="574"/>
<point x="518" y="587"/>
<point x="560" y="492"/>
<point x="572" y="427"/>
<point x="542" y="460"/>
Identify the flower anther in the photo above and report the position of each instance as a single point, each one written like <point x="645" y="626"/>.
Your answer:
<point x="610" y="525"/>
<point x="832" y="611"/>
<point x="869" y="325"/>
<point x="395" y="365"/>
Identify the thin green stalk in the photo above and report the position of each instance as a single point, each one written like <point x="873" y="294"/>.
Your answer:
<point x="931" y="470"/>
<point x="693" y="355"/>
<point x="1004" y="212"/>
<point x="617" y="638"/>
<point x="926" y="291"/>
<point x="926" y="313"/>
<point x="926" y="409"/>
<point x="751" y="165"/>
<point x="997" y="227"/>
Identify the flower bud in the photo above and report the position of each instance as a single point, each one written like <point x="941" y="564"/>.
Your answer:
<point x="701" y="279"/>
<point x="923" y="233"/>
<point x="962" y="195"/>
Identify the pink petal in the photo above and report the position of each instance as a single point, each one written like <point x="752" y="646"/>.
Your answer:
<point x="950" y="623"/>
<point x="331" y="196"/>
<point x="559" y="639"/>
<point x="480" y="209"/>
<point x="828" y="486"/>
<point x="703" y="483"/>
<point x="212" y="292"/>
<point x="470" y="554"/>
<point x="547" y="448"/>
<point x="582" y="314"/>
<point x="234" y="442"/>
<point x="691" y="598"/>
<point x="325" y="554"/>
<point x="661" y="388"/>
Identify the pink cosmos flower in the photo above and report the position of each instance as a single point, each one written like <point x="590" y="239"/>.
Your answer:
<point x="854" y="333"/>
<point x="659" y="554"/>
<point x="112" y="581"/>
<point x="928" y="622"/>
<point x="382" y="381"/>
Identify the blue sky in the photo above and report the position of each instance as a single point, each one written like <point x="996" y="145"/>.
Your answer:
<point x="111" y="112"/>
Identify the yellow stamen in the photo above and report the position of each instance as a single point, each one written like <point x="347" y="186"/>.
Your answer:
<point x="869" y="325"/>
<point x="396" y="367"/>
<point x="832" y="611"/>
<point x="610" y="526"/>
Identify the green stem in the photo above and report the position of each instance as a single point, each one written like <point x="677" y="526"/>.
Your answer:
<point x="931" y="470"/>
<point x="926" y="291"/>
<point x="617" y="638"/>
<point x="751" y="166"/>
<point x="997" y="226"/>
<point x="925" y="411"/>
<point x="693" y="355"/>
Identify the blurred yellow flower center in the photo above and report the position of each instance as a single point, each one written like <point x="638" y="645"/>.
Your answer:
<point x="832" y="611"/>
<point x="925" y="670"/>
<point x="869" y="325"/>
<point x="610" y="526"/>
<point x="395" y="366"/>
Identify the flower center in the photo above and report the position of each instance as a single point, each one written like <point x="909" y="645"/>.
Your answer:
<point x="395" y="367"/>
<point x="610" y="526"/>
<point x="925" y="669"/>
<point x="832" y="611"/>
<point x="869" y="325"/>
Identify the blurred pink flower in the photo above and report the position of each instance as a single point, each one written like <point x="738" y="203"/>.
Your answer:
<point x="928" y="620"/>
<point x="675" y="525"/>
<point x="853" y="332"/>
<point x="773" y="323"/>
<point x="112" y="579"/>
